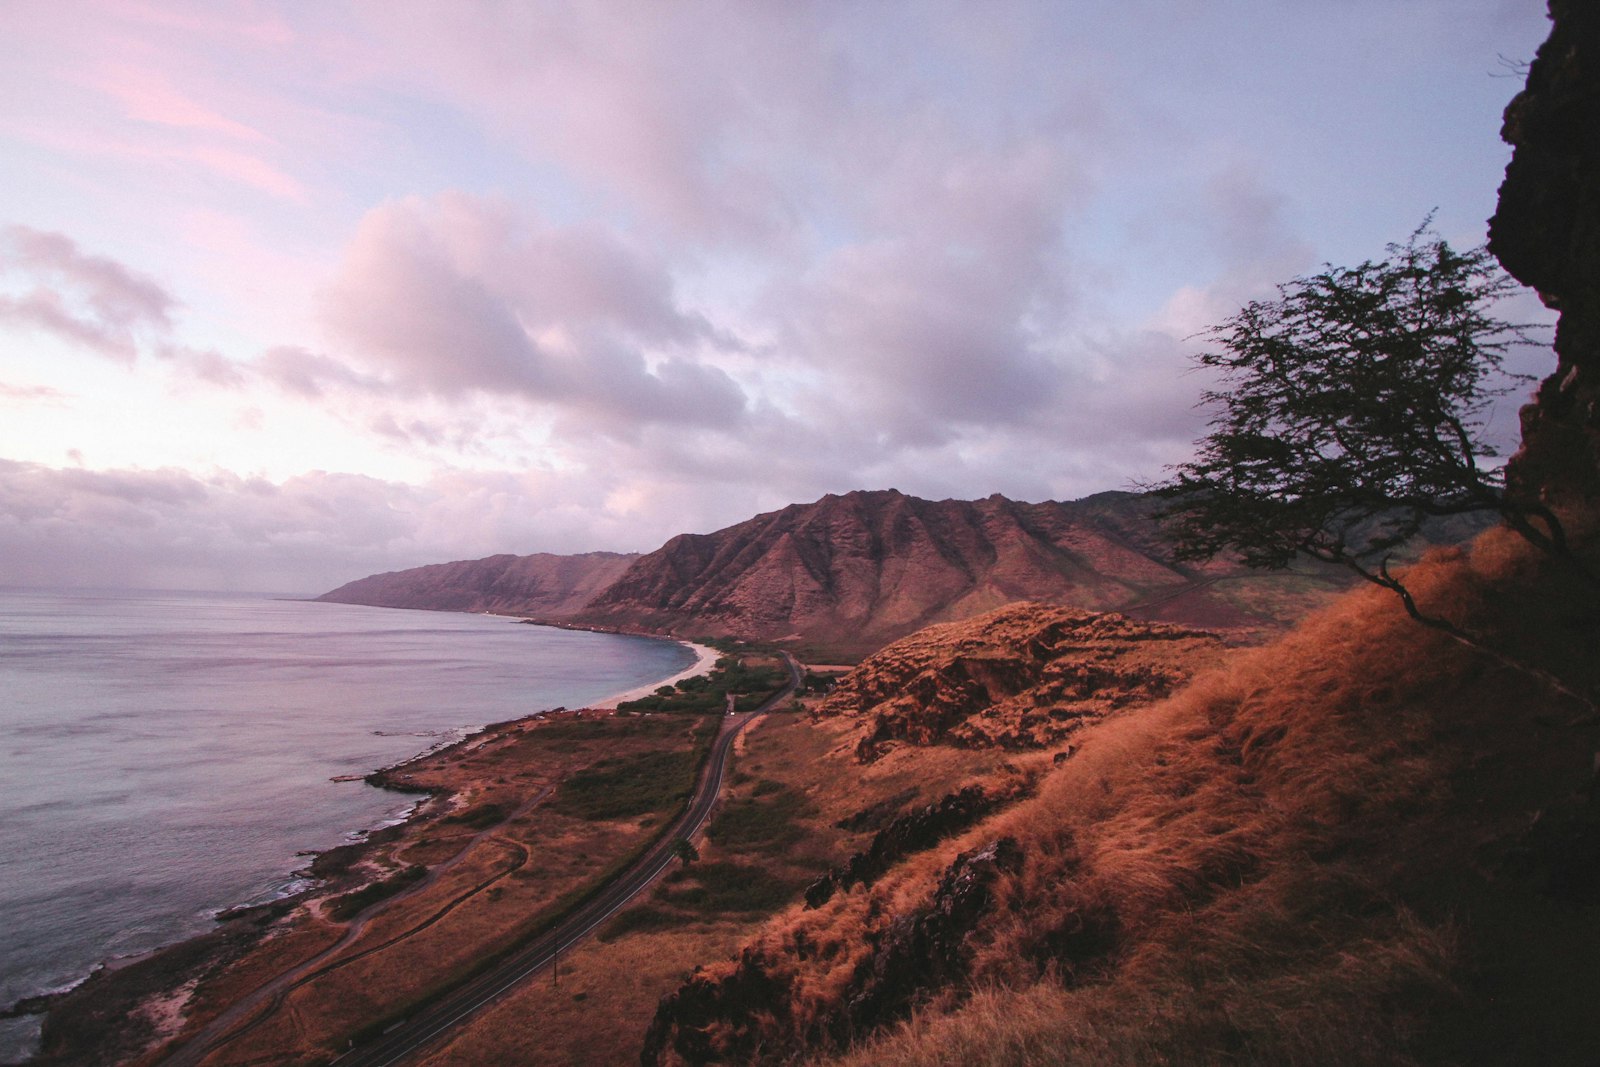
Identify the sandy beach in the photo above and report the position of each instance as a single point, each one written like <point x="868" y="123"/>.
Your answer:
<point x="705" y="659"/>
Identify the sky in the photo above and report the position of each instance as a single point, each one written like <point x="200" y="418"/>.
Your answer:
<point x="294" y="292"/>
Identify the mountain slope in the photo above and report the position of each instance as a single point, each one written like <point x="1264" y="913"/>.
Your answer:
<point x="853" y="572"/>
<point x="845" y="575"/>
<point x="1360" y="844"/>
<point x="548" y="585"/>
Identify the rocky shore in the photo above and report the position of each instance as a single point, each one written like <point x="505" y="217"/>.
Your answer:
<point x="127" y="1008"/>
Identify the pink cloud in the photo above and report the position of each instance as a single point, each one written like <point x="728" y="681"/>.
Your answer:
<point x="31" y="393"/>
<point x="242" y="167"/>
<point x="307" y="374"/>
<point x="169" y="528"/>
<point x="148" y="96"/>
<point x="207" y="19"/>
<point x="637" y="101"/>
<point x="232" y="164"/>
<point x="204" y="365"/>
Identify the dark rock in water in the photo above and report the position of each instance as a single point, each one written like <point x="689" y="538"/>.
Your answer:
<point x="257" y="914"/>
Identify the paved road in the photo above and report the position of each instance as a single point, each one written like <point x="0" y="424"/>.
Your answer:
<point x="456" y="1007"/>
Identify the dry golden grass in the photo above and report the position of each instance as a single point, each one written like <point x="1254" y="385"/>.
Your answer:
<point x="610" y="987"/>
<point x="598" y="1011"/>
<point x="1335" y="849"/>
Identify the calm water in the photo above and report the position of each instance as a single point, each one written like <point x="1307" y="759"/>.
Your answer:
<point x="166" y="755"/>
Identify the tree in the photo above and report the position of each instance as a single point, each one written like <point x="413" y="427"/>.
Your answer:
<point x="684" y="849"/>
<point x="1349" y="413"/>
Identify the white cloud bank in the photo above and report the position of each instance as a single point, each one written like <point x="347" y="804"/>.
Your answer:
<point x="565" y="276"/>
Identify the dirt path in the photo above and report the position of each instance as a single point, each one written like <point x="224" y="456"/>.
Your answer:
<point x="251" y="1011"/>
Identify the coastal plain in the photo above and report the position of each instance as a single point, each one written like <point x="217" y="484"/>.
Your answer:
<point x="508" y="831"/>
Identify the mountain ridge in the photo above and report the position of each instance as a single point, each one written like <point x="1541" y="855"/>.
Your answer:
<point x="542" y="583"/>
<point x="848" y="573"/>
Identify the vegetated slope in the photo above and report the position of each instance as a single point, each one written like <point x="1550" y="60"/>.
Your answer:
<point x="547" y="585"/>
<point x="1362" y="843"/>
<point x="850" y="573"/>
<point x="1022" y="676"/>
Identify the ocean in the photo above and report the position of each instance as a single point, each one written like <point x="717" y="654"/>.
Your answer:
<point x="166" y="755"/>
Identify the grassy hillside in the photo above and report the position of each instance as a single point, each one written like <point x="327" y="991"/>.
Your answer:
<point x="1363" y="843"/>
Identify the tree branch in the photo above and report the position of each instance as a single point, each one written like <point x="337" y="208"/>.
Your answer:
<point x="1384" y="579"/>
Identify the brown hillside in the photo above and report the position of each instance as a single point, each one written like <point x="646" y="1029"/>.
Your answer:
<point x="1023" y="676"/>
<point x="1361" y="844"/>
<point x="851" y="573"/>
<point x="546" y="585"/>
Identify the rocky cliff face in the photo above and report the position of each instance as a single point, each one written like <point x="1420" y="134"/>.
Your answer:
<point x="853" y="572"/>
<point x="544" y="585"/>
<point x="1546" y="231"/>
<point x="1024" y="676"/>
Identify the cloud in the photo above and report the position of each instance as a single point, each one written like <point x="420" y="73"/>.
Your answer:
<point x="310" y="375"/>
<point x="205" y="366"/>
<point x="31" y="393"/>
<point x="638" y="103"/>
<point x="406" y="306"/>
<point x="461" y="296"/>
<point x="90" y="301"/>
<point x="149" y="96"/>
<point x="176" y="529"/>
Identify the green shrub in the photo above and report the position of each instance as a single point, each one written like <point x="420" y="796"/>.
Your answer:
<point x="620" y="787"/>
<point x="642" y="917"/>
<point x="479" y="817"/>
<point x="715" y="888"/>
<point x="346" y="907"/>
<point x="763" y="822"/>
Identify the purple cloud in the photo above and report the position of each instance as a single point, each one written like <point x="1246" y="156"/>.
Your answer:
<point x="461" y="296"/>
<point x="312" y="376"/>
<point x="88" y="300"/>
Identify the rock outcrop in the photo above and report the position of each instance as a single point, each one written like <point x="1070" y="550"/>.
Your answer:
<point x="545" y="585"/>
<point x="1024" y="676"/>
<point x="1546" y="232"/>
<point x="908" y="833"/>
<point x="733" y="1017"/>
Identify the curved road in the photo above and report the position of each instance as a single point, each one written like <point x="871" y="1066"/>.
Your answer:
<point x="459" y="1005"/>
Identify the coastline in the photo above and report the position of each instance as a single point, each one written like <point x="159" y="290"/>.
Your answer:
<point x="705" y="658"/>
<point x="162" y="968"/>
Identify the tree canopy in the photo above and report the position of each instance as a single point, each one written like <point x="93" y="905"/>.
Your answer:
<point x="1350" y="411"/>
